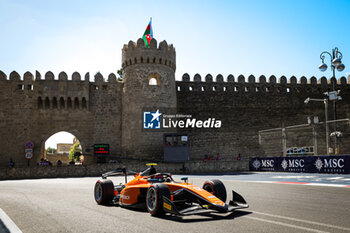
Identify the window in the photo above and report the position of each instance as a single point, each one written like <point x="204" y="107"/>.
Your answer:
<point x="76" y="103"/>
<point x="69" y="103"/>
<point x="154" y="80"/>
<point x="84" y="104"/>
<point x="40" y="103"/>
<point x="54" y="103"/>
<point x="62" y="104"/>
<point x="47" y="103"/>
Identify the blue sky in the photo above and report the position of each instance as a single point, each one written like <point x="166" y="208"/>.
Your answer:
<point x="270" y="37"/>
<point x="59" y="137"/>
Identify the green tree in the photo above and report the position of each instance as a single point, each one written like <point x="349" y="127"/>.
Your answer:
<point x="51" y="150"/>
<point x="75" y="152"/>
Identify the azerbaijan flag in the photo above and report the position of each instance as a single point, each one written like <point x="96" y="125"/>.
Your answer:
<point x="148" y="35"/>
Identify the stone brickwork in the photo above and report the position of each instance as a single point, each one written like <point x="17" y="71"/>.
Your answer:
<point x="36" y="108"/>
<point x="249" y="106"/>
<point x="109" y="111"/>
<point x="140" y="64"/>
<point x="193" y="167"/>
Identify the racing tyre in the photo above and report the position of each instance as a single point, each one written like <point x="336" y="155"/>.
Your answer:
<point x="104" y="191"/>
<point x="154" y="198"/>
<point x="217" y="188"/>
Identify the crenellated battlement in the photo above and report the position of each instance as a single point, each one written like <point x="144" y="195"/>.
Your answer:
<point x="253" y="85"/>
<point x="60" y="93"/>
<point x="62" y="76"/>
<point x="136" y="53"/>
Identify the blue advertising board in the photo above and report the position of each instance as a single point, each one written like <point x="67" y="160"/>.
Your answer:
<point x="307" y="164"/>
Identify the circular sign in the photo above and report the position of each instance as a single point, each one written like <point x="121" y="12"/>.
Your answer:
<point x="29" y="155"/>
<point x="29" y="145"/>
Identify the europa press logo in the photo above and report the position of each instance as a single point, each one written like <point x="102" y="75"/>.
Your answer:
<point x="152" y="120"/>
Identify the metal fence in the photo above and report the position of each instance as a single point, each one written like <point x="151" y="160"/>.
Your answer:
<point x="307" y="139"/>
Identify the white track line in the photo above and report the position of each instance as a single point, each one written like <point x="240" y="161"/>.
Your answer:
<point x="329" y="185"/>
<point x="295" y="183"/>
<point x="335" y="178"/>
<point x="304" y="221"/>
<point x="285" y="224"/>
<point x="9" y="224"/>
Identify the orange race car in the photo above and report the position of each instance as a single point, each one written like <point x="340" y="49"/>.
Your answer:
<point x="160" y="194"/>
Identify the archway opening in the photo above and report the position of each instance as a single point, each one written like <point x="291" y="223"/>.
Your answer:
<point x="154" y="80"/>
<point x="61" y="148"/>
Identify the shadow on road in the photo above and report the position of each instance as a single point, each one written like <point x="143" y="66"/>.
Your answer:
<point x="207" y="217"/>
<point x="192" y="218"/>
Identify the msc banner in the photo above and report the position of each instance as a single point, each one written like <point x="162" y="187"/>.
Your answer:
<point x="309" y="164"/>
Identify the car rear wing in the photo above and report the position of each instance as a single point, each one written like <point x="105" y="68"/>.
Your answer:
<point x="118" y="172"/>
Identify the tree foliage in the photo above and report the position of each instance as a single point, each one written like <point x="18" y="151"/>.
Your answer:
<point x="73" y="152"/>
<point x="50" y="150"/>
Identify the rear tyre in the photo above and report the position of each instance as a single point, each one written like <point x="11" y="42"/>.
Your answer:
<point x="104" y="191"/>
<point x="217" y="188"/>
<point x="154" y="198"/>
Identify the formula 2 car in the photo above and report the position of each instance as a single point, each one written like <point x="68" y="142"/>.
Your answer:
<point x="160" y="194"/>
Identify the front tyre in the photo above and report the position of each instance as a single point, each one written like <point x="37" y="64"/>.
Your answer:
<point x="154" y="198"/>
<point x="104" y="191"/>
<point x="217" y="188"/>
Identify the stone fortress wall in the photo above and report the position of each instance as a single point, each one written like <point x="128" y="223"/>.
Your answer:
<point x="109" y="111"/>
<point x="35" y="108"/>
<point x="250" y="105"/>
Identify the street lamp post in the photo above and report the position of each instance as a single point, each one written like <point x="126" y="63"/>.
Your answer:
<point x="325" y="101"/>
<point x="336" y="63"/>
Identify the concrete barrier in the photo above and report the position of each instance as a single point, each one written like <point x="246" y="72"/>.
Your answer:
<point x="193" y="167"/>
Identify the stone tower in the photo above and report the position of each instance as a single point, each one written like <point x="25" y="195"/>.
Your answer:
<point x="149" y="85"/>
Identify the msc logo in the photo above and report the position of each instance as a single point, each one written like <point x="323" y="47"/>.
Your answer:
<point x="151" y="120"/>
<point x="329" y="163"/>
<point x="256" y="164"/>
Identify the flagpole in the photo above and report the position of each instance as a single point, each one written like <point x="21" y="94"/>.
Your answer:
<point x="151" y="28"/>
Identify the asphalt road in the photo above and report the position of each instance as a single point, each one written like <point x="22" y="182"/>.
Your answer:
<point x="67" y="205"/>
